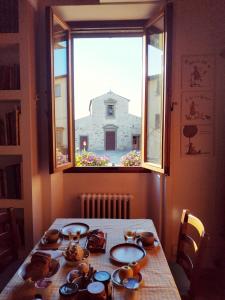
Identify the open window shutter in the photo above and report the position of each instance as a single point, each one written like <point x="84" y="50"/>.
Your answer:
<point x="59" y="93"/>
<point x="157" y="92"/>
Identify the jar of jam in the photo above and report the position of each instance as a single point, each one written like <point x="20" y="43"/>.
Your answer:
<point x="104" y="277"/>
<point x="96" y="291"/>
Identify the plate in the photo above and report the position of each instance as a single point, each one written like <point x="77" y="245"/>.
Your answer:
<point x="155" y="244"/>
<point x="126" y="253"/>
<point x="52" y="271"/>
<point x="74" y="227"/>
<point x="117" y="281"/>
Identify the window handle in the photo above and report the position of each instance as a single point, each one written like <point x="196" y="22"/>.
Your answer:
<point x="172" y="105"/>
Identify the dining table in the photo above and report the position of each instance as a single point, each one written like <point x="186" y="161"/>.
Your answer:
<point x="157" y="281"/>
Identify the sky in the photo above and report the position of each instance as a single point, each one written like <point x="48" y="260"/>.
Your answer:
<point x="104" y="64"/>
<point x="60" y="60"/>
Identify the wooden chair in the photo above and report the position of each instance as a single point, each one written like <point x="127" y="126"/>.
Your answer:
<point x="192" y="244"/>
<point x="9" y="240"/>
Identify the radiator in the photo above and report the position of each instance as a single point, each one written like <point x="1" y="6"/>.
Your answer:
<point x="113" y="206"/>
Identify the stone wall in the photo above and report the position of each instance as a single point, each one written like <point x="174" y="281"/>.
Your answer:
<point x="94" y="126"/>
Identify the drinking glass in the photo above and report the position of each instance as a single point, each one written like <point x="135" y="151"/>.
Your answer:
<point x="129" y="234"/>
<point x="77" y="235"/>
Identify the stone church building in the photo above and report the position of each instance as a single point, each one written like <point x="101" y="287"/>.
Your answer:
<point x="109" y="126"/>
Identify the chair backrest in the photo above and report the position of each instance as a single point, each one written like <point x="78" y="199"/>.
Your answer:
<point x="8" y="237"/>
<point x="192" y="244"/>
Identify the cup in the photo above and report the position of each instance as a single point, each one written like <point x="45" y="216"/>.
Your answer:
<point x="51" y="236"/>
<point x="147" y="238"/>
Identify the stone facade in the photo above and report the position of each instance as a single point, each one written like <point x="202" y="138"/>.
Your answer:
<point x="61" y="114"/>
<point x="109" y="125"/>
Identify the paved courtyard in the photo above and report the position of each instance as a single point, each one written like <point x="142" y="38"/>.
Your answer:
<point x="114" y="156"/>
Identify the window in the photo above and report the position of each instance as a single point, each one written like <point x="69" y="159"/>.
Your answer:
<point x="110" y="110"/>
<point x="109" y="116"/>
<point x="61" y="148"/>
<point x="57" y="90"/>
<point x="59" y="137"/>
<point x="157" y="121"/>
<point x="156" y="35"/>
<point x="136" y="142"/>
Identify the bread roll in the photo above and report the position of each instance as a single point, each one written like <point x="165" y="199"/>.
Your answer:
<point x="39" y="266"/>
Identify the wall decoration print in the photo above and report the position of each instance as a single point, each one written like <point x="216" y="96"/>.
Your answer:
<point x="197" y="72"/>
<point x="197" y="107"/>
<point x="197" y="140"/>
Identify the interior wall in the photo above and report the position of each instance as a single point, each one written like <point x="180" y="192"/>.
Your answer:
<point x="197" y="181"/>
<point x="137" y="184"/>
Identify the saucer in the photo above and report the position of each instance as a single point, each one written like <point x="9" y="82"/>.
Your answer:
<point x="118" y="282"/>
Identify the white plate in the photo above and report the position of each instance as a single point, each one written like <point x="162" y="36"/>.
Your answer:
<point x="74" y="227"/>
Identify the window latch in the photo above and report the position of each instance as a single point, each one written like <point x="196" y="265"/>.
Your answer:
<point x="172" y="105"/>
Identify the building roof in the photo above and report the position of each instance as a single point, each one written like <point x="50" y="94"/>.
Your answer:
<point x="108" y="95"/>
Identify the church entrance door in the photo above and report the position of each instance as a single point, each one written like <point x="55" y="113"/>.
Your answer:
<point x="110" y="140"/>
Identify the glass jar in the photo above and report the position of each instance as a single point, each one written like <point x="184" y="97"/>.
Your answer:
<point x="104" y="277"/>
<point x="96" y="290"/>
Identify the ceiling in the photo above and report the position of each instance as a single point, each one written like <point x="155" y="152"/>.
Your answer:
<point x="110" y="10"/>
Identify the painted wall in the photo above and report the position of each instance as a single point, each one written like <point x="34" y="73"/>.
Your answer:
<point x="138" y="184"/>
<point x="197" y="181"/>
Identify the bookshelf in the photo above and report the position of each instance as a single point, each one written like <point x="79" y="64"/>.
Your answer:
<point x="18" y="157"/>
<point x="10" y="115"/>
<point x="10" y="177"/>
<point x="9" y="66"/>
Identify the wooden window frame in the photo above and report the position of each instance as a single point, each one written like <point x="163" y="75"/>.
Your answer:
<point x="53" y="167"/>
<point x="166" y="108"/>
<point x="114" y="29"/>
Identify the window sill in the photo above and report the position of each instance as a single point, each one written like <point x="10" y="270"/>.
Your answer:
<point x="107" y="170"/>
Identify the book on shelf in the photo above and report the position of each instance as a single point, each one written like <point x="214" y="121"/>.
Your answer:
<point x="10" y="127"/>
<point x="10" y="182"/>
<point x="2" y="184"/>
<point x="2" y="132"/>
<point x="13" y="127"/>
<point x="9" y="13"/>
<point x="10" y="77"/>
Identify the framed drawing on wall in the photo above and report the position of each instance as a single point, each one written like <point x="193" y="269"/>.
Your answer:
<point x="197" y="107"/>
<point x="197" y="72"/>
<point x="197" y="140"/>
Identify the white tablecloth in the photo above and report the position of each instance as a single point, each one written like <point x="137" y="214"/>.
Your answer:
<point x="157" y="284"/>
